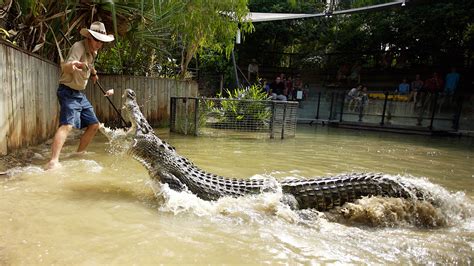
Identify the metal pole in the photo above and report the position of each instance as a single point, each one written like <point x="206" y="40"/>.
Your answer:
<point x="332" y="106"/>
<point x="384" y="108"/>
<point x="319" y="104"/>
<point x="185" y="99"/>
<point x="457" y="115"/>
<point x="342" y="106"/>
<point x="272" y="124"/>
<point x="283" y="121"/>
<point x="173" y="114"/>
<point x="235" y="70"/>
<point x="435" y="100"/>
<point x="361" y="110"/>
<point x="111" y="103"/>
<point x="196" y="115"/>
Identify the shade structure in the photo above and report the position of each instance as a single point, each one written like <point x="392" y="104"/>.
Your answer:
<point x="262" y="17"/>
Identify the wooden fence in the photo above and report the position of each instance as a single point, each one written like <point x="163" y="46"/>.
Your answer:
<point x="153" y="96"/>
<point x="28" y="102"/>
<point x="29" y="109"/>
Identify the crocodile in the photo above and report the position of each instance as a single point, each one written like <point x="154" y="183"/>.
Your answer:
<point x="165" y="165"/>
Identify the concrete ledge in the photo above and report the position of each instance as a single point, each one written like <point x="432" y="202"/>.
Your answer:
<point x="394" y="128"/>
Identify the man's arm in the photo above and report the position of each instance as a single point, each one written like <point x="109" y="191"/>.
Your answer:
<point x="73" y="61"/>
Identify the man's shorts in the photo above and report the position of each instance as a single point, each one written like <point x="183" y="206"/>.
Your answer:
<point x="76" y="110"/>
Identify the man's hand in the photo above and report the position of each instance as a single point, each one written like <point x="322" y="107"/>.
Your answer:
<point x="77" y="65"/>
<point x="109" y="92"/>
<point x="70" y="67"/>
<point x="94" y="78"/>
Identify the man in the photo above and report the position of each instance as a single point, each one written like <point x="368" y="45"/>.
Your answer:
<point x="452" y="81"/>
<point x="404" y="87"/>
<point x="434" y="84"/>
<point x="76" y="110"/>
<point x="416" y="87"/>
<point x="252" y="74"/>
<point x="277" y="90"/>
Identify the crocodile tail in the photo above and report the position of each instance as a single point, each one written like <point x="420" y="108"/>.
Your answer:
<point x="326" y="193"/>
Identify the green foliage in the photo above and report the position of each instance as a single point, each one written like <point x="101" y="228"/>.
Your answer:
<point x="150" y="34"/>
<point x="207" y="25"/>
<point x="141" y="28"/>
<point x="242" y="108"/>
<point x="423" y="33"/>
<point x="291" y="36"/>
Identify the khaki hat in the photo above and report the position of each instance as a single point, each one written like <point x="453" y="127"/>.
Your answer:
<point x="97" y="30"/>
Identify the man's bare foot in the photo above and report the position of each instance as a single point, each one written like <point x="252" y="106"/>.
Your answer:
<point x="52" y="165"/>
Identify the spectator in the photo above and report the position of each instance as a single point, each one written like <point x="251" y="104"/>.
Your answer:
<point x="404" y="87"/>
<point x="352" y="96"/>
<point x="299" y="93"/>
<point x="252" y="74"/>
<point x="451" y="84"/>
<point x="452" y="81"/>
<point x="362" y="99"/>
<point x="289" y="88"/>
<point x="277" y="89"/>
<point x="434" y="84"/>
<point x="431" y="86"/>
<point x="266" y="86"/>
<point x="416" y="87"/>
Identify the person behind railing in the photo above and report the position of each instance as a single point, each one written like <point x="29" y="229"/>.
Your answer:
<point x="362" y="99"/>
<point x="416" y="86"/>
<point x="352" y="97"/>
<point x="277" y="89"/>
<point x="298" y="93"/>
<point x="265" y="86"/>
<point x="431" y="87"/>
<point x="451" y="84"/>
<point x="252" y="71"/>
<point x="404" y="87"/>
<point x="289" y="88"/>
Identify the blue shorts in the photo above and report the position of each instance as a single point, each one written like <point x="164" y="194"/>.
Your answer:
<point x="76" y="110"/>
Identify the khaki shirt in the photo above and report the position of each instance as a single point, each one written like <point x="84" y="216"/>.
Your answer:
<point x="77" y="80"/>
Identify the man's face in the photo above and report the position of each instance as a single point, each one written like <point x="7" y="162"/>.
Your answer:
<point x="95" y="45"/>
<point x="278" y="80"/>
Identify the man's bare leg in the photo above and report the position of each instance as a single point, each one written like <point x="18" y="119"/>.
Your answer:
<point x="58" y="142"/>
<point x="87" y="137"/>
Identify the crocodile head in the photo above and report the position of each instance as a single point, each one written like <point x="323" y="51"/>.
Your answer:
<point x="158" y="157"/>
<point x="140" y="125"/>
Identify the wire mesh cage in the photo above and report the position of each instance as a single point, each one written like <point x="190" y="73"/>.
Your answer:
<point x="224" y="117"/>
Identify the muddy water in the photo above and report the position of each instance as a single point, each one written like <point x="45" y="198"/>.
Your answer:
<point x="101" y="208"/>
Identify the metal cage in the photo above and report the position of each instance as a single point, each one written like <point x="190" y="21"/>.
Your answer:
<point x="224" y="117"/>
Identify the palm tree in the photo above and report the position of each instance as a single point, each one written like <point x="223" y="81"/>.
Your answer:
<point x="47" y="27"/>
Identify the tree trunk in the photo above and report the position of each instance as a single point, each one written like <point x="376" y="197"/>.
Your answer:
<point x="186" y="57"/>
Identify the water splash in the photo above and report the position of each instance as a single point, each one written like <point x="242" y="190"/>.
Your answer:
<point x="119" y="140"/>
<point x="23" y="170"/>
<point x="441" y="209"/>
<point x="249" y="209"/>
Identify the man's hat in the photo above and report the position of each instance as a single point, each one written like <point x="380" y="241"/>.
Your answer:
<point x="97" y="30"/>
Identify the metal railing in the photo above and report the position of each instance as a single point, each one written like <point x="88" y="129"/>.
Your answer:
<point x="215" y="117"/>
<point x="427" y="111"/>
